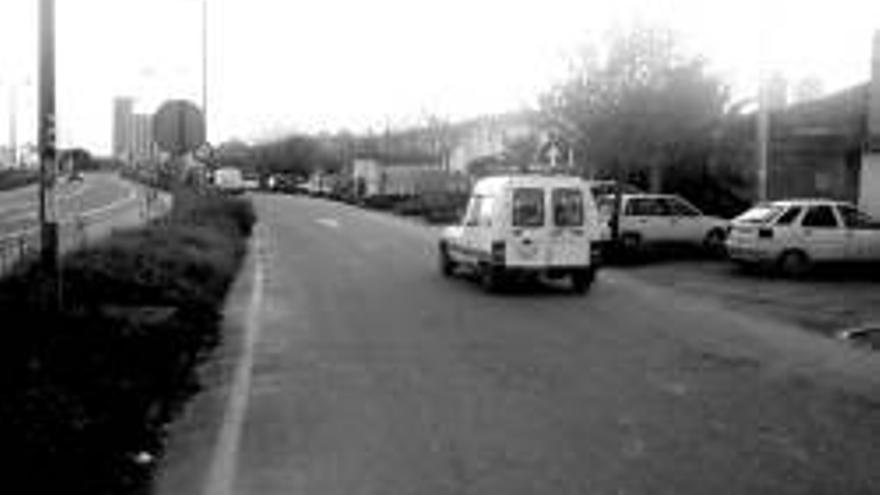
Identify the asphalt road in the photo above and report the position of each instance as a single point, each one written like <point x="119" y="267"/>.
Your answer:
<point x="18" y="208"/>
<point x="365" y="372"/>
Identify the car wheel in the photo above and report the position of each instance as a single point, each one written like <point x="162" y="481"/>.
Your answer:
<point x="447" y="265"/>
<point x="713" y="243"/>
<point x="794" y="263"/>
<point x="491" y="279"/>
<point x="582" y="280"/>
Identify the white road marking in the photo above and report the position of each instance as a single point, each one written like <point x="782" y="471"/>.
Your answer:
<point x="132" y="196"/>
<point x="221" y="477"/>
<point x="328" y="222"/>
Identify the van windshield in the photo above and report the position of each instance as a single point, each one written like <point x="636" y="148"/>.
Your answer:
<point x="568" y="208"/>
<point x="528" y="207"/>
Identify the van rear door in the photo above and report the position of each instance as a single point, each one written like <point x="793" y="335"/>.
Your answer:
<point x="568" y="241"/>
<point x="528" y="242"/>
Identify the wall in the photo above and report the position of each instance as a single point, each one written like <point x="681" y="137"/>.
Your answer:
<point x="869" y="191"/>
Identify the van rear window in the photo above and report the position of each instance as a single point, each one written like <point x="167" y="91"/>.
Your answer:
<point x="528" y="207"/>
<point x="568" y="208"/>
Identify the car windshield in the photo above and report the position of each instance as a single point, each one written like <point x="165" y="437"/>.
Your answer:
<point x="761" y="214"/>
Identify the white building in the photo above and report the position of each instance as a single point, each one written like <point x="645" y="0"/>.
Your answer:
<point x="487" y="136"/>
<point x="397" y="177"/>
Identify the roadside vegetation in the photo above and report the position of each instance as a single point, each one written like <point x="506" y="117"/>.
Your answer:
<point x="13" y="179"/>
<point x="89" y="389"/>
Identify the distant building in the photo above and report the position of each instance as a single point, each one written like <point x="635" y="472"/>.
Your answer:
<point x="123" y="109"/>
<point x="827" y="147"/>
<point x="482" y="138"/>
<point x="402" y="175"/>
<point x="143" y="146"/>
<point x="132" y="133"/>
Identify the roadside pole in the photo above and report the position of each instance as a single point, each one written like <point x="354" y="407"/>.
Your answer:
<point x="51" y="280"/>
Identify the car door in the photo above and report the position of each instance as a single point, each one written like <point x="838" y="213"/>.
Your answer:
<point x="822" y="235"/>
<point x="863" y="234"/>
<point x="687" y="223"/>
<point x="648" y="217"/>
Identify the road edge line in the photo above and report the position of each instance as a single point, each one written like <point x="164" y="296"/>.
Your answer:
<point x="222" y="471"/>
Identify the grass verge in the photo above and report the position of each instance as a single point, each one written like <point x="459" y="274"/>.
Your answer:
<point x="89" y="390"/>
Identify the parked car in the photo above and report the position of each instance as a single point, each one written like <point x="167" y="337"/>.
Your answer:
<point x="525" y="226"/>
<point x="664" y="219"/>
<point x="792" y="235"/>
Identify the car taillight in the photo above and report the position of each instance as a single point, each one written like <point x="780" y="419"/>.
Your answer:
<point x="498" y="252"/>
<point x="765" y="233"/>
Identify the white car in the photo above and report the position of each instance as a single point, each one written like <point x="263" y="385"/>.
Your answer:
<point x="647" y="219"/>
<point x="795" y="234"/>
<point x="525" y="225"/>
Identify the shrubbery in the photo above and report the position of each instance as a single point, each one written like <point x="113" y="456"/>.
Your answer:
<point x="12" y="179"/>
<point x="88" y="390"/>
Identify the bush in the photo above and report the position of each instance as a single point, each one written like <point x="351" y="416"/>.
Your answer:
<point x="13" y="179"/>
<point x="88" y="388"/>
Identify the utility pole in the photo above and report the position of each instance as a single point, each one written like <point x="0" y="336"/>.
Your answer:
<point x="205" y="65"/>
<point x="47" y="152"/>
<point x="13" y="125"/>
<point x="763" y="130"/>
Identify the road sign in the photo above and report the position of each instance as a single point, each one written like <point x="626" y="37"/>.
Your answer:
<point x="179" y="127"/>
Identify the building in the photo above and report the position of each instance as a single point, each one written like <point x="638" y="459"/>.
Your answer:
<point x="403" y="176"/>
<point x="827" y="147"/>
<point x="123" y="109"/>
<point x="142" y="146"/>
<point x="132" y="133"/>
<point x="480" y="139"/>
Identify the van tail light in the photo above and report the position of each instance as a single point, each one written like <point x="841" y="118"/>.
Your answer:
<point x="765" y="233"/>
<point x="498" y="253"/>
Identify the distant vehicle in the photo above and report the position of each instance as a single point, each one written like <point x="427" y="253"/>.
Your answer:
<point x="667" y="219"/>
<point x="76" y="176"/>
<point x="525" y="226"/>
<point x="793" y="235"/>
<point x="229" y="179"/>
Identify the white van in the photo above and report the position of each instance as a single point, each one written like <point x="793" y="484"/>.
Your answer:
<point x="525" y="225"/>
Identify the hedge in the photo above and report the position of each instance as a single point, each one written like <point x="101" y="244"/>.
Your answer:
<point x="89" y="389"/>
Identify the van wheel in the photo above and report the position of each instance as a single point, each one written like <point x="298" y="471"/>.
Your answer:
<point x="582" y="280"/>
<point x="794" y="263"/>
<point x="713" y="243"/>
<point x="447" y="266"/>
<point x="491" y="278"/>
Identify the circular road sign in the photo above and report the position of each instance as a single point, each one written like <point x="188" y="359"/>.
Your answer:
<point x="179" y="127"/>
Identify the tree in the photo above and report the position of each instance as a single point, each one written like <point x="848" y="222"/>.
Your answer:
<point x="639" y="111"/>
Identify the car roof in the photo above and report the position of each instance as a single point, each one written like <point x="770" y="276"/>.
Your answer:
<point x="499" y="182"/>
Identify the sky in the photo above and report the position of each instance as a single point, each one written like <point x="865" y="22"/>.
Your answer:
<point x="278" y="66"/>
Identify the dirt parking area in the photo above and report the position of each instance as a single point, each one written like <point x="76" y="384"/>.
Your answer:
<point x="827" y="300"/>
